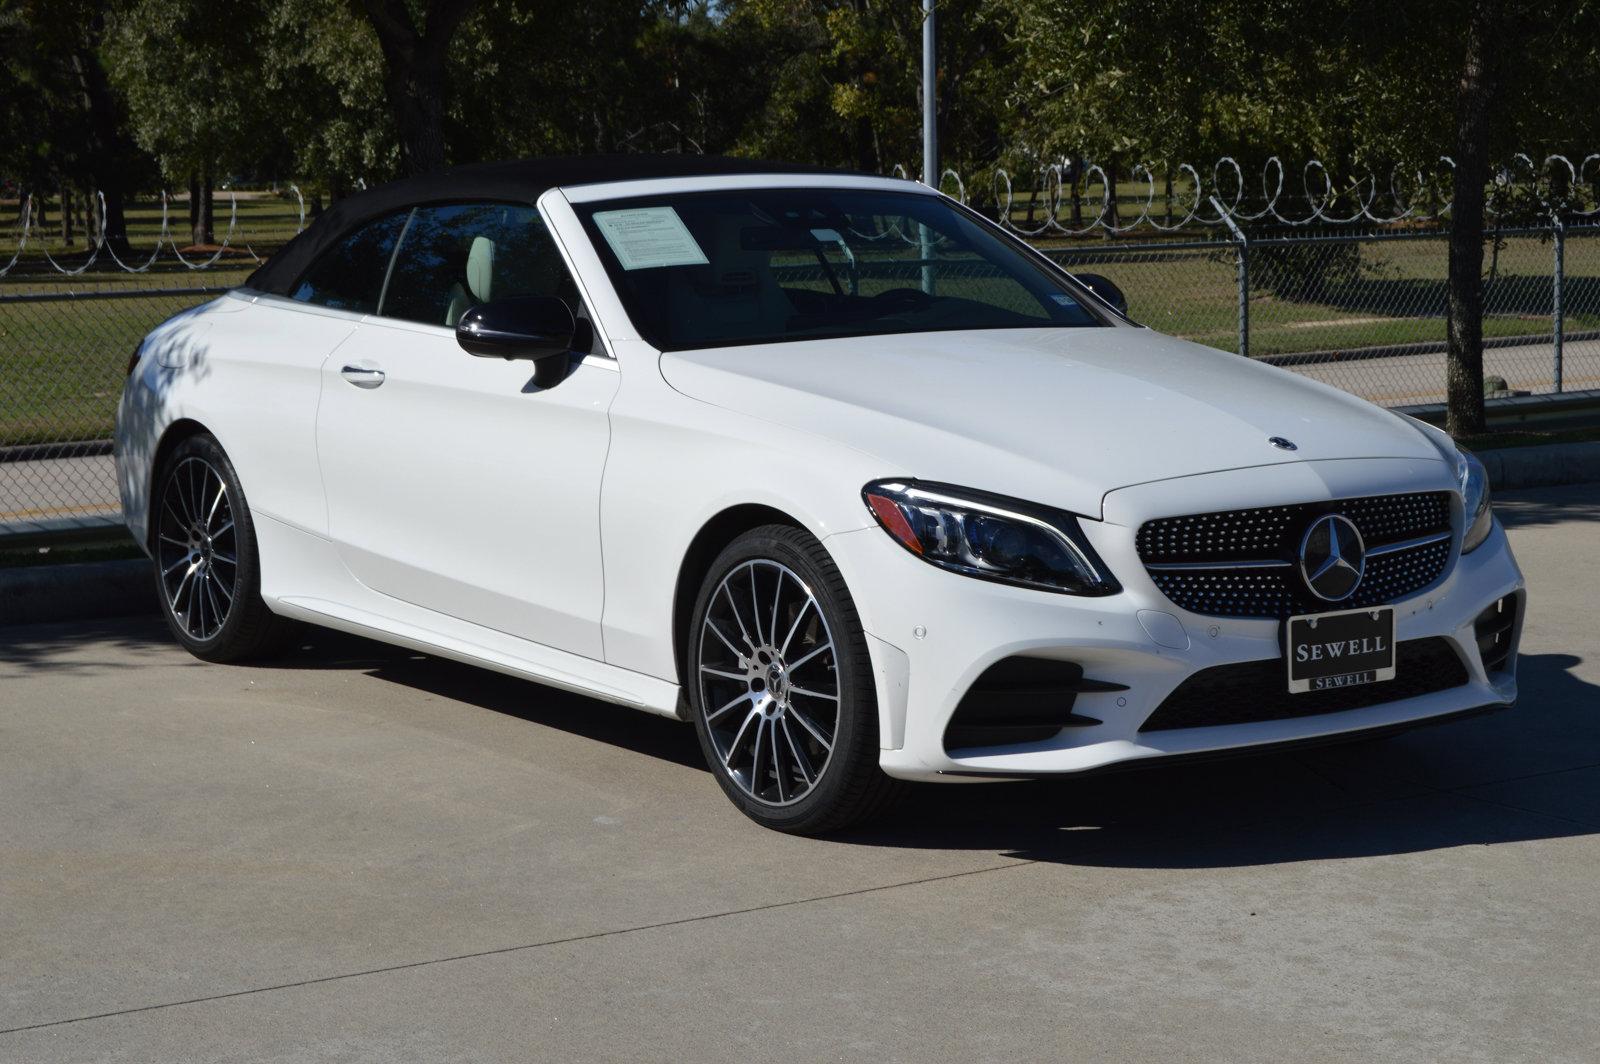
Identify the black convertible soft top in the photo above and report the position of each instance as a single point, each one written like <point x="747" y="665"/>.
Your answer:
<point x="518" y="181"/>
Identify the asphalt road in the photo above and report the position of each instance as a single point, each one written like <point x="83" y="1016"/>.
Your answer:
<point x="362" y="855"/>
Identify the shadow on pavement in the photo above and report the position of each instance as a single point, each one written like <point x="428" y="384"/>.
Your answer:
<point x="1396" y="795"/>
<point x="1531" y="772"/>
<point x="1529" y="507"/>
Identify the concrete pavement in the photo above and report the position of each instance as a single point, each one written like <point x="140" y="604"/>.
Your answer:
<point x="1402" y="380"/>
<point x="364" y="855"/>
<point x="57" y="492"/>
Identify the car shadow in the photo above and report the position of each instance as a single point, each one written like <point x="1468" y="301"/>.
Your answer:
<point x="1532" y="772"/>
<point x="1535" y="507"/>
<point x="1508" y="776"/>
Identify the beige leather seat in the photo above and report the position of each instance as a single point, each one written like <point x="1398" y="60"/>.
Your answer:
<point x="480" y="281"/>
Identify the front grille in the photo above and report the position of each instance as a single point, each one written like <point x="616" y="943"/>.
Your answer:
<point x="1255" y="691"/>
<point x="1244" y="563"/>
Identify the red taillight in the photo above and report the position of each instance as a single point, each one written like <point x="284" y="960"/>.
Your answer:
<point x="894" y="522"/>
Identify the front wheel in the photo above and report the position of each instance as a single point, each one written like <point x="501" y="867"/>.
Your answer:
<point x="781" y="686"/>
<point x="207" y="569"/>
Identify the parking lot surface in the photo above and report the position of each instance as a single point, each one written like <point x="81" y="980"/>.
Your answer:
<point x="360" y="854"/>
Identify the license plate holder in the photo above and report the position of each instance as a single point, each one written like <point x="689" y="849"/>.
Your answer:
<point x="1345" y="648"/>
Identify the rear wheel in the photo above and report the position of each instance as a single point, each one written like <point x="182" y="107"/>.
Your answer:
<point x="206" y="564"/>
<point x="781" y="686"/>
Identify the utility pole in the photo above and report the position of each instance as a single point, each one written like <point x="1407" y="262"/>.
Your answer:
<point x="930" y="135"/>
<point x="930" y="100"/>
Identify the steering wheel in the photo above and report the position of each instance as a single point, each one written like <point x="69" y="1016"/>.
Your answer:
<point x="898" y="300"/>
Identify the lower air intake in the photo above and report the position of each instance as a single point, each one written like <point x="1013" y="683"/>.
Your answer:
<point x="1494" y="628"/>
<point x="1021" y="700"/>
<point x="1254" y="691"/>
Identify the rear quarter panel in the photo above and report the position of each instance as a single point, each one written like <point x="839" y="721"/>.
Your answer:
<point x="247" y="370"/>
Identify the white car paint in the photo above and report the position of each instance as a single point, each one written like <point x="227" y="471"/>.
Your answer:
<point x="541" y="532"/>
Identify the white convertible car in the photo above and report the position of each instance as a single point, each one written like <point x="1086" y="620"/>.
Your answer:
<point x="826" y="463"/>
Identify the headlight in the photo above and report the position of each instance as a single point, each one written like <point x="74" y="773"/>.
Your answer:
<point x="989" y="536"/>
<point x="1474" y="482"/>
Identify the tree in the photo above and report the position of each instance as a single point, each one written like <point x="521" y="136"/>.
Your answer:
<point x="61" y="123"/>
<point x="198" y="109"/>
<point x="1474" y="99"/>
<point x="1372" y="86"/>
<point x="322" y="76"/>
<point x="414" y="73"/>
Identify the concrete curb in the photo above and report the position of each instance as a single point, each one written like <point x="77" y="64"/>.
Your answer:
<point x="83" y="591"/>
<point x="37" y="594"/>
<point x="1540" y="466"/>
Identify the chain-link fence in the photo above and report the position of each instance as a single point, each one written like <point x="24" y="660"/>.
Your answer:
<point x="1366" y="312"/>
<point x="63" y="359"/>
<point x="1362" y="312"/>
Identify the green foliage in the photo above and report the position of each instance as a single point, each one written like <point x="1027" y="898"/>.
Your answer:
<point x="1305" y="273"/>
<point x="197" y="105"/>
<point x="296" y="87"/>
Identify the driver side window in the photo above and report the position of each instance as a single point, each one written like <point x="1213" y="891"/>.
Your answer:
<point x="349" y="275"/>
<point x="457" y="256"/>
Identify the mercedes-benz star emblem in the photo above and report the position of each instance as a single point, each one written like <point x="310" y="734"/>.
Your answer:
<point x="1333" y="557"/>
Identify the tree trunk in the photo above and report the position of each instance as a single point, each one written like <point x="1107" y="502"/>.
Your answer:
<point x="1474" y="99"/>
<point x="1077" y="196"/>
<point x="416" y="96"/>
<point x="414" y="74"/>
<point x="195" y="235"/>
<point x="66" y="214"/>
<point x="106" y="144"/>
<point x="1169" y="195"/>
<point x="205" y="230"/>
<point x="1114" y="218"/>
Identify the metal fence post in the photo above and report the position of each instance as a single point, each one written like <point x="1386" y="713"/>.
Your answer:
<point x="1557" y="312"/>
<point x="1244" y="275"/>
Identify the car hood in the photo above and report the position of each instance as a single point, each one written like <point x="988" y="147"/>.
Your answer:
<point x="1057" y="416"/>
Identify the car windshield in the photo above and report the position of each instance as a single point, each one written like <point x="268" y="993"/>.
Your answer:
<point x="779" y="264"/>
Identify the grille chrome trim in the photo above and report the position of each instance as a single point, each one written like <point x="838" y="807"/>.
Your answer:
<point x="1409" y="544"/>
<point x="1244" y="563"/>
<point x="1185" y="567"/>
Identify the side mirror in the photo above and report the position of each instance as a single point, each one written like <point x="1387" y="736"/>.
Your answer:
<point x="537" y="328"/>
<point x="1102" y="287"/>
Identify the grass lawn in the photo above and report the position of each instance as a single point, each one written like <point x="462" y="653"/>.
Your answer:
<point x="62" y="364"/>
<point x="1397" y="297"/>
<point x="264" y="223"/>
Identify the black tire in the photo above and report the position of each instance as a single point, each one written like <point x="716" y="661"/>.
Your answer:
<point x="849" y="787"/>
<point x="207" y="567"/>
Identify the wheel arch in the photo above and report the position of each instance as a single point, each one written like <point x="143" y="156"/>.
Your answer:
<point x="182" y="429"/>
<point x="719" y="531"/>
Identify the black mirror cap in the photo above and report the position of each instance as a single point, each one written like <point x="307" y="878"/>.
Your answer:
<point x="531" y="327"/>
<point x="1105" y="289"/>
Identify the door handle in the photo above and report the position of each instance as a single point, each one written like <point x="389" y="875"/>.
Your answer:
<point x="362" y="376"/>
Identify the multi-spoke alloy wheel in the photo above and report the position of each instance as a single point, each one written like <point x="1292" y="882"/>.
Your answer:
<point x="197" y="548"/>
<point x="208" y="572"/>
<point x="767" y="666"/>
<point x="781" y="685"/>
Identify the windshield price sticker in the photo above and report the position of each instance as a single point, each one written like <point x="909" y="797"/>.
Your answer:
<point x="646" y="238"/>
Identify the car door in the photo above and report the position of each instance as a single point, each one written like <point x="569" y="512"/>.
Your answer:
<point x="271" y="376"/>
<point x="453" y="482"/>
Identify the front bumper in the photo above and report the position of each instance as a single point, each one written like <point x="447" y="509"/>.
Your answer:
<point x="933" y="633"/>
